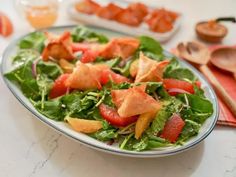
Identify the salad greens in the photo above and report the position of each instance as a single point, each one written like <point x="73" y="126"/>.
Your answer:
<point x="51" y="69"/>
<point x="34" y="41"/>
<point x="151" y="48"/>
<point x="81" y="33"/>
<point x="36" y="78"/>
<point x="174" y="70"/>
<point x="169" y="107"/>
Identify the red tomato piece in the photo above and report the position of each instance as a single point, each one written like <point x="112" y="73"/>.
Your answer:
<point x="110" y="75"/>
<point x="178" y="84"/>
<point x="111" y="116"/>
<point x="173" y="128"/>
<point x="76" y="47"/>
<point x="59" y="88"/>
<point x="88" y="56"/>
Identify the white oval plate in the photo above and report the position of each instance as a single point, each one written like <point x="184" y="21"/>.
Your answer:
<point x="119" y="27"/>
<point x="61" y="127"/>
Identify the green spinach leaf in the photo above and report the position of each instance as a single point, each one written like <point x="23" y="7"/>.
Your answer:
<point x="81" y="33"/>
<point x="157" y="142"/>
<point x="148" y="44"/>
<point x="52" y="109"/>
<point x="111" y="63"/>
<point x="197" y="108"/>
<point x="105" y="135"/>
<point x="33" y="41"/>
<point x="51" y="69"/>
<point x="175" y="71"/>
<point x="198" y="91"/>
<point x="132" y="144"/>
<point x="198" y="104"/>
<point x="152" y="87"/>
<point x="82" y="104"/>
<point x="30" y="89"/>
<point x="24" y="78"/>
<point x="123" y="70"/>
<point x="25" y="55"/>
<point x="44" y="86"/>
<point x="190" y="129"/>
<point x="180" y="74"/>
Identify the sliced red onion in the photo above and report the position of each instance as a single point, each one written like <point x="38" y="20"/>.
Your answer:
<point x="110" y="142"/>
<point x="177" y="90"/>
<point x="67" y="90"/>
<point x="53" y="59"/>
<point x="34" y="65"/>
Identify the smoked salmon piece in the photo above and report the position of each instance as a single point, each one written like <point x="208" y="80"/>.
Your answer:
<point x="58" y="47"/>
<point x="109" y="12"/>
<point x="127" y="17"/>
<point x="133" y="15"/>
<point x="161" y="20"/>
<point x="140" y="10"/>
<point x="122" y="47"/>
<point x="87" y="7"/>
<point x="150" y="70"/>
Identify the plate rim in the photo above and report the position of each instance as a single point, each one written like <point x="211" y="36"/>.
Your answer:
<point x="144" y="154"/>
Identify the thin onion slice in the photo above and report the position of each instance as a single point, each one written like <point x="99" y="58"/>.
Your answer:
<point x="177" y="90"/>
<point x="34" y="67"/>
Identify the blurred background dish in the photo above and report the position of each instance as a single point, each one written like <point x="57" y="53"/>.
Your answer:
<point x="132" y="18"/>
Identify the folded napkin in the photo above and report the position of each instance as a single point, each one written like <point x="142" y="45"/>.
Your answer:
<point x="229" y="83"/>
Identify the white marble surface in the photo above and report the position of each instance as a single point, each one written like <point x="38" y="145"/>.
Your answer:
<point x="30" y="148"/>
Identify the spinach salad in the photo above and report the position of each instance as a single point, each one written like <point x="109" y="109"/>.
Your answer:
<point x="120" y="90"/>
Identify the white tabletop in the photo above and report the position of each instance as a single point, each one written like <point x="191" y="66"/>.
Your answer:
<point x="30" y="148"/>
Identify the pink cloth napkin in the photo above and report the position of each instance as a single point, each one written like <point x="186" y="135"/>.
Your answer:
<point x="229" y="83"/>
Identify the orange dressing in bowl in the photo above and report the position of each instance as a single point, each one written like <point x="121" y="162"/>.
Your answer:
<point x="41" y="16"/>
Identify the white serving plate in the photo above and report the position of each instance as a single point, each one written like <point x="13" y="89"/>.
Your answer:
<point x="64" y="129"/>
<point x="119" y="27"/>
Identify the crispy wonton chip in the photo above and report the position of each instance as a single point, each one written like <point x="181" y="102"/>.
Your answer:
<point x="150" y="70"/>
<point x="58" y="47"/>
<point x="118" y="96"/>
<point x="84" y="76"/>
<point x="122" y="47"/>
<point x="134" y="101"/>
